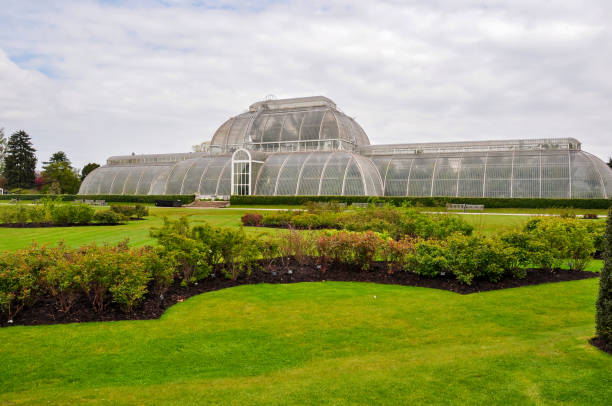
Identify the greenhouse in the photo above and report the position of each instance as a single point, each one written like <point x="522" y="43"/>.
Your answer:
<point x="306" y="146"/>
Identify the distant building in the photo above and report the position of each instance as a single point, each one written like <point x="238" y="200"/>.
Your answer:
<point x="306" y="146"/>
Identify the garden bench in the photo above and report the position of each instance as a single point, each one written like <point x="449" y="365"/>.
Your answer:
<point x="464" y="207"/>
<point x="99" y="202"/>
<point x="362" y="205"/>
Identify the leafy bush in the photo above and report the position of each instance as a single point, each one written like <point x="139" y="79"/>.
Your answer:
<point x="108" y="217"/>
<point x="65" y="214"/>
<point x="251" y="219"/>
<point x="348" y="248"/>
<point x="238" y="252"/>
<point x="129" y="212"/>
<point x="428" y="258"/>
<point x="186" y="199"/>
<point x="479" y="257"/>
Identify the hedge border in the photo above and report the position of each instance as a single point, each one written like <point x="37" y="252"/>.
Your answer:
<point x="186" y="199"/>
<point x="493" y="203"/>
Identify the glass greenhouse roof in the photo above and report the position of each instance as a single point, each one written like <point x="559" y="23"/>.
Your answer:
<point x="306" y="146"/>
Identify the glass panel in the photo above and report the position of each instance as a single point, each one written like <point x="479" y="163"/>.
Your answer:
<point x="333" y="177"/>
<point x="273" y="128"/>
<point x="291" y="127"/>
<point x="353" y="184"/>
<point x="329" y="127"/>
<point x="311" y="126"/>
<point x="158" y="187"/>
<point x="258" y="127"/>
<point x="311" y="174"/>
<point x="176" y="177"/>
<point x="237" y="133"/>
<point x="288" y="176"/>
<point x="268" y="174"/>
<point x="191" y="184"/>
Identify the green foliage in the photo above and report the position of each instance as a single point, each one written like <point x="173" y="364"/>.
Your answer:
<point x="428" y="258"/>
<point x="108" y="198"/>
<point x="387" y="219"/>
<point x="108" y="217"/>
<point x="488" y="202"/>
<point x="348" y="248"/>
<point x="61" y="177"/>
<point x="552" y="240"/>
<point x="604" y="300"/>
<point x="65" y="214"/>
<point x="135" y="212"/>
<point x="20" y="161"/>
<point x="87" y="169"/>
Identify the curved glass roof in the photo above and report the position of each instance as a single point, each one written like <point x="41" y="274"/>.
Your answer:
<point x="544" y="173"/>
<point x="303" y="124"/>
<point x="208" y="176"/>
<point x="318" y="173"/>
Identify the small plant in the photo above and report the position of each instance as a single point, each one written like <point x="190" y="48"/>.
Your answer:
<point x="108" y="217"/>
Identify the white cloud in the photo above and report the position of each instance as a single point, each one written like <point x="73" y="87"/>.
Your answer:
<point x="100" y="79"/>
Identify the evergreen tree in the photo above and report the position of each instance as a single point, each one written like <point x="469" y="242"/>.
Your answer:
<point x="87" y="169"/>
<point x="20" y="161"/>
<point x="610" y="162"/>
<point x="604" y="302"/>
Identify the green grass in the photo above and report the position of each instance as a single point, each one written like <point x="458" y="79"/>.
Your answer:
<point x="323" y="343"/>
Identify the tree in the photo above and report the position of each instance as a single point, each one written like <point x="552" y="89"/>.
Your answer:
<point x="20" y="161"/>
<point x="604" y="301"/>
<point x="59" y="176"/>
<point x="610" y="162"/>
<point x="58" y="157"/>
<point x="2" y="150"/>
<point x="87" y="169"/>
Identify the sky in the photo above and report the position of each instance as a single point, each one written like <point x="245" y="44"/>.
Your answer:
<point x="103" y="78"/>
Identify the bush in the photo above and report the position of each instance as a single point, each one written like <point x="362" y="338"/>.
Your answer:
<point x="108" y="217"/>
<point x="129" y="212"/>
<point x="251" y="219"/>
<point x="186" y="199"/>
<point x="428" y="258"/>
<point x="348" y="248"/>
<point x="604" y="300"/>
<point x="479" y="257"/>
<point x="238" y="252"/>
<point x="66" y="214"/>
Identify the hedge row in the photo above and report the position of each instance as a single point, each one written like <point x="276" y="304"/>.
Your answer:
<point x="488" y="202"/>
<point x="186" y="199"/>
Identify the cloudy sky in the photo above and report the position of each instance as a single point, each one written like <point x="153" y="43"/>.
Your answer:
<point x="101" y="78"/>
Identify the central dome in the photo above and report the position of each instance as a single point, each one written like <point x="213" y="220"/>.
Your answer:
<point x="299" y="124"/>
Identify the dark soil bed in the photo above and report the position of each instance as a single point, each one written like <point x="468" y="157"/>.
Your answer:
<point x="46" y="311"/>
<point x="602" y="345"/>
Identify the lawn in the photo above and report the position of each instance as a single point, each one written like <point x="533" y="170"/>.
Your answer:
<point x="138" y="231"/>
<point x="323" y="343"/>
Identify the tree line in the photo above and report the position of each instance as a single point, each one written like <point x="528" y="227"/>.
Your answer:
<point x="18" y="167"/>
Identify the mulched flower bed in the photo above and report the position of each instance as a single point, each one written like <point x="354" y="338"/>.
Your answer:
<point x="602" y="345"/>
<point x="45" y="311"/>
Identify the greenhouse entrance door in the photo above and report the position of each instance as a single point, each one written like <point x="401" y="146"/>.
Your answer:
<point x="241" y="173"/>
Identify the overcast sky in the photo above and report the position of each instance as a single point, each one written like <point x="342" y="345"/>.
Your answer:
<point x="102" y="78"/>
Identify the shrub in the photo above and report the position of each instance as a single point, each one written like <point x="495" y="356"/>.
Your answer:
<point x="178" y="246"/>
<point x="108" y="217"/>
<point x="129" y="212"/>
<point x="62" y="278"/>
<point x="604" y="300"/>
<point x="478" y="257"/>
<point x="130" y="276"/>
<point x="38" y="214"/>
<point x="269" y="248"/>
<point x="428" y="258"/>
<point x="590" y="216"/>
<point x="251" y="219"/>
<point x="238" y="252"/>
<point x="65" y="214"/>
<point x="348" y="248"/>
<point x="396" y="252"/>
<point x="296" y="244"/>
